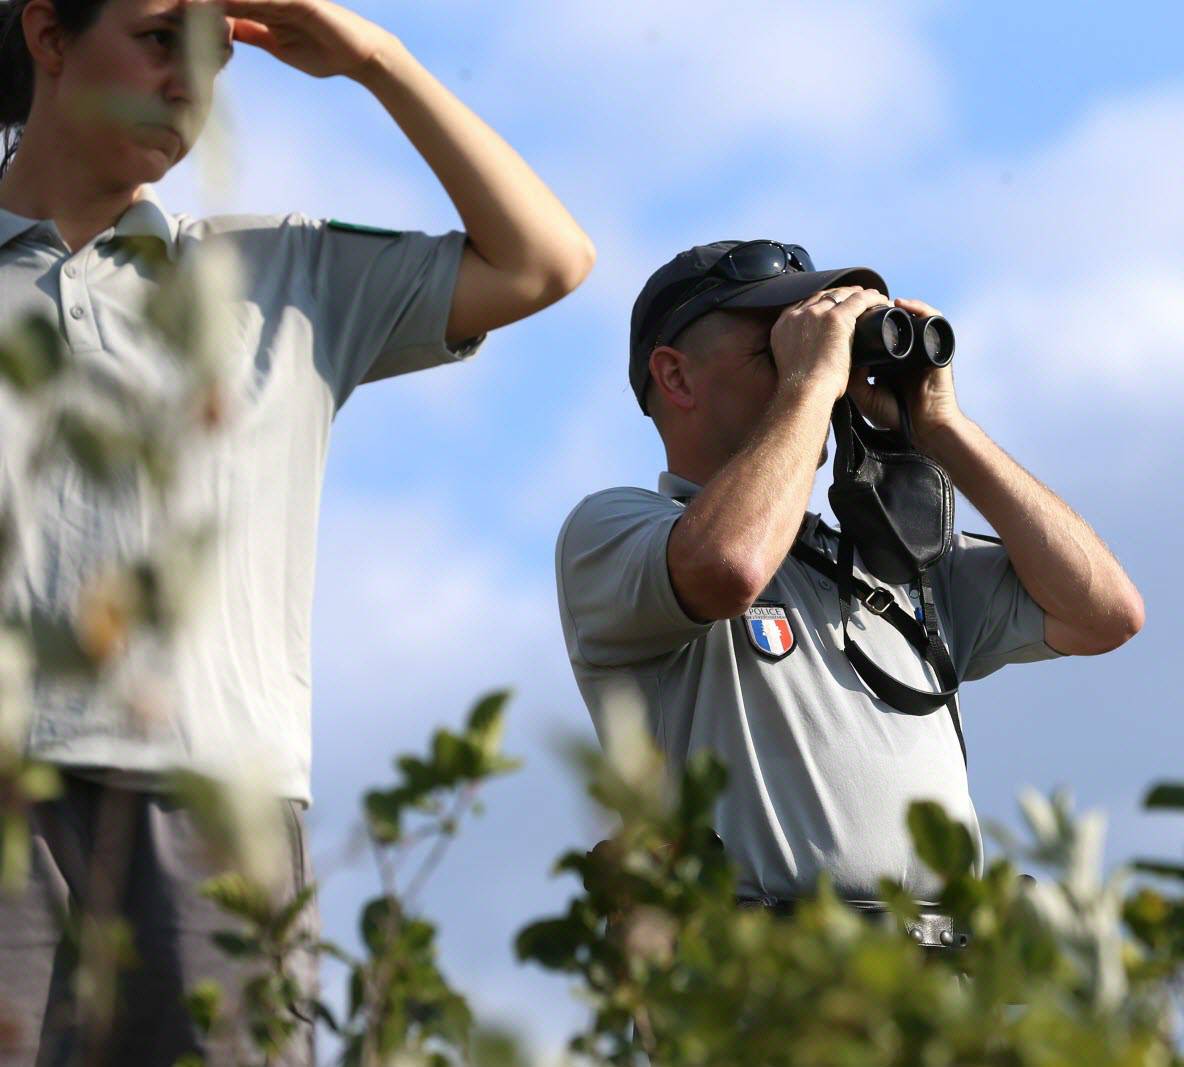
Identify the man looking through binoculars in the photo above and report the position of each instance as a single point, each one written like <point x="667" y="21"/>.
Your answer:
<point x="696" y="605"/>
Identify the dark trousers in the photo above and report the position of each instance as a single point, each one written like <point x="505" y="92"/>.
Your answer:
<point x="119" y="853"/>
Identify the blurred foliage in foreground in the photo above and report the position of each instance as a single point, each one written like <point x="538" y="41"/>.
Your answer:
<point x="400" y="1007"/>
<point x="1067" y="970"/>
<point x="676" y="974"/>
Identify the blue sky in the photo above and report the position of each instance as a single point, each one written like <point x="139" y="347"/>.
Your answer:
<point x="1018" y="165"/>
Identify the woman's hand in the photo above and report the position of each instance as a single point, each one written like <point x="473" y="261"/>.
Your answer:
<point x="317" y="37"/>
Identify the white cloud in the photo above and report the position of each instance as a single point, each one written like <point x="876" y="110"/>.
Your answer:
<point x="1115" y="342"/>
<point x="1100" y="202"/>
<point x="414" y="599"/>
<point x="677" y="85"/>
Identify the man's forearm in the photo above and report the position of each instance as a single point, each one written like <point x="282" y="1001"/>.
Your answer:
<point x="514" y="222"/>
<point x="737" y="531"/>
<point x="1089" y="602"/>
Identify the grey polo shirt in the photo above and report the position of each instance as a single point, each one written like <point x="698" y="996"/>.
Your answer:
<point x="324" y="308"/>
<point x="821" y="772"/>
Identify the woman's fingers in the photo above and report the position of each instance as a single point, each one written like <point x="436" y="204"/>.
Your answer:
<point x="254" y="33"/>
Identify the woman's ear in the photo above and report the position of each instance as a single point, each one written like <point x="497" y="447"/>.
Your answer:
<point x="671" y="373"/>
<point x="45" y="36"/>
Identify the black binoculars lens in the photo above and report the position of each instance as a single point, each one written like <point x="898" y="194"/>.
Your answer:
<point x="897" y="331"/>
<point x="882" y="335"/>
<point x="937" y="338"/>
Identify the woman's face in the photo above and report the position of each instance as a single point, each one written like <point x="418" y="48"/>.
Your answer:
<point x="129" y="95"/>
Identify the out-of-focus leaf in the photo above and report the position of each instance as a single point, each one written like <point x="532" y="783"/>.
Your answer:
<point x="383" y="814"/>
<point x="14" y="850"/>
<point x="237" y="945"/>
<point x="31" y="355"/>
<point x="553" y="943"/>
<point x="379" y="920"/>
<point x="942" y="842"/>
<point x="106" y="450"/>
<point x="237" y="895"/>
<point x="204" y="1003"/>
<point x="490" y="1047"/>
<point x="487" y="719"/>
<point x="1166" y="870"/>
<point x="1165" y="795"/>
<point x="291" y="912"/>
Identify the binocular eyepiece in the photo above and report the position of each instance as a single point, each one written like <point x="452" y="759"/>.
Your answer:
<point x="894" y="342"/>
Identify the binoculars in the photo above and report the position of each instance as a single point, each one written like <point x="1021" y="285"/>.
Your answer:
<point x="896" y="344"/>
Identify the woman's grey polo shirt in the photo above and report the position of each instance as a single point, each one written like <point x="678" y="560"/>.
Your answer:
<point x="325" y="308"/>
<point x="821" y="772"/>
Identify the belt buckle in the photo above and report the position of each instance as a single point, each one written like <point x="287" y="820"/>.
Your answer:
<point x="878" y="601"/>
<point x="936" y="931"/>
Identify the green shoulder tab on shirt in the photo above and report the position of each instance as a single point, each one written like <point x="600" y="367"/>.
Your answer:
<point x="337" y="224"/>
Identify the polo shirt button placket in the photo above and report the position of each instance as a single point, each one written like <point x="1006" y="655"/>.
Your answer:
<point x="75" y="298"/>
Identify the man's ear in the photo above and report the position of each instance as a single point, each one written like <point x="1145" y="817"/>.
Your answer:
<point x="44" y="34"/>
<point x="671" y="372"/>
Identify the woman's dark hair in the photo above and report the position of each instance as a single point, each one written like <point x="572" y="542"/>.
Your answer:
<point x="16" y="64"/>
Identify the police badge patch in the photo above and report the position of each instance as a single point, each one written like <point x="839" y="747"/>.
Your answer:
<point x="769" y="631"/>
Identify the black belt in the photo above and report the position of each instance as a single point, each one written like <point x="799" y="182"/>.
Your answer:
<point x="931" y="929"/>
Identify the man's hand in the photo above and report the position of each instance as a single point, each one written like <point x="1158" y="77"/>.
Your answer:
<point x="1089" y="603"/>
<point x="811" y="340"/>
<point x="317" y="37"/>
<point x="933" y="407"/>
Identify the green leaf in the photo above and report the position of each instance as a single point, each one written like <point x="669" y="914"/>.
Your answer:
<point x="1166" y="870"/>
<point x="335" y="951"/>
<point x="236" y="945"/>
<point x="239" y="896"/>
<point x="486" y="724"/>
<point x="943" y="843"/>
<point x="490" y="1047"/>
<point x="40" y="781"/>
<point x="321" y="1011"/>
<point x="488" y="713"/>
<point x="384" y="811"/>
<point x="898" y="901"/>
<point x="204" y="1002"/>
<point x="290" y="912"/>
<point x="31" y="355"/>
<point x="552" y="943"/>
<point x="1165" y="795"/>
<point x="380" y="919"/>
<point x="104" y="450"/>
<point x="14" y="850"/>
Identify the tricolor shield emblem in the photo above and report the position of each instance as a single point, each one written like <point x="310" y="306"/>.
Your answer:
<point x="769" y="631"/>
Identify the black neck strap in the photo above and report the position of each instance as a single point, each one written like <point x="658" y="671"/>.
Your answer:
<point x="923" y="636"/>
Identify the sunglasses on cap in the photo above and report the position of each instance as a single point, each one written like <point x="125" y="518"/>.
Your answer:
<point x="752" y="261"/>
<point x="756" y="261"/>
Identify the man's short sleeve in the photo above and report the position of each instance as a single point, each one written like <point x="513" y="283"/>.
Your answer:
<point x="994" y="621"/>
<point x="615" y="596"/>
<point x="381" y="299"/>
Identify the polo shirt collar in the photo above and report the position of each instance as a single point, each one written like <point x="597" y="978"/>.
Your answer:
<point x="145" y="218"/>
<point x="676" y="487"/>
<point x="12" y="226"/>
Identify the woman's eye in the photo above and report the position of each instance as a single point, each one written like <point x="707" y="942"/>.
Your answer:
<point x="164" y="38"/>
